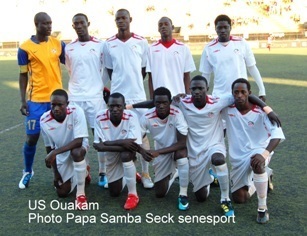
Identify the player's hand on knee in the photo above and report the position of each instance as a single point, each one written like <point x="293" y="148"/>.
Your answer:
<point x="50" y="159"/>
<point x="258" y="163"/>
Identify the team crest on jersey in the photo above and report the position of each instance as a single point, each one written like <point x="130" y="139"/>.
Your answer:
<point x="237" y="51"/>
<point x="69" y="127"/>
<point x="210" y="114"/>
<point x="250" y="123"/>
<point x="92" y="50"/>
<point x="124" y="132"/>
<point x="171" y="125"/>
<point x="176" y="53"/>
<point x="53" y="50"/>
<point x="155" y="125"/>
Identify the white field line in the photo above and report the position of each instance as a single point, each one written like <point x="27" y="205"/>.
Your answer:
<point x="11" y="128"/>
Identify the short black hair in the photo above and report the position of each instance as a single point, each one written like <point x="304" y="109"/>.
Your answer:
<point x="117" y="95"/>
<point x="167" y="18"/>
<point x="38" y="16"/>
<point x="200" y="77"/>
<point x="60" y="92"/>
<point x="122" y="9"/>
<point x="80" y="14"/>
<point x="222" y="18"/>
<point x="162" y="91"/>
<point x="241" y="80"/>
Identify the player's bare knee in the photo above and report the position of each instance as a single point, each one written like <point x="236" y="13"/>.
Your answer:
<point x="126" y="156"/>
<point x="201" y="194"/>
<point x="78" y="154"/>
<point x="115" y="188"/>
<point x="180" y="154"/>
<point x="62" y="192"/>
<point x="161" y="187"/>
<point x="218" y="159"/>
<point x="258" y="169"/>
<point x="240" y="196"/>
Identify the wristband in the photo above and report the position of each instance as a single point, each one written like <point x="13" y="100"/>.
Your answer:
<point x="265" y="154"/>
<point x="267" y="109"/>
<point x="129" y="107"/>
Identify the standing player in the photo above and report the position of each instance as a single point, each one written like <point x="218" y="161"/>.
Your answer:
<point x="252" y="139"/>
<point x="117" y="132"/>
<point x="40" y="73"/>
<point x="125" y="56"/>
<point x="227" y="57"/>
<point x="86" y="71"/>
<point x="65" y="136"/>
<point x="269" y="41"/>
<point x="169" y="61"/>
<point x="168" y="129"/>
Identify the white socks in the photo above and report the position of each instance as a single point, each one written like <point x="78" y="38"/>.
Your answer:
<point x="183" y="172"/>
<point x="261" y="185"/>
<point x="101" y="162"/>
<point x="222" y="176"/>
<point x="80" y="172"/>
<point x="129" y="175"/>
<point x="144" y="164"/>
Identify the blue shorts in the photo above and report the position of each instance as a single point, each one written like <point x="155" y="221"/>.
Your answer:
<point x="36" y="110"/>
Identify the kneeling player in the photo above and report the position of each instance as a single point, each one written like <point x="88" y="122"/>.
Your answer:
<point x="65" y="135"/>
<point x="117" y="132"/>
<point x="169" y="129"/>
<point x="252" y="139"/>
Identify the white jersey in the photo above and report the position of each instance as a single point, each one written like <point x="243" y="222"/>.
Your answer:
<point x="167" y="65"/>
<point x="58" y="134"/>
<point x="228" y="63"/>
<point x="248" y="134"/>
<point x="129" y="127"/>
<point x="84" y="62"/>
<point x="205" y="125"/>
<point x="164" y="132"/>
<point x="127" y="59"/>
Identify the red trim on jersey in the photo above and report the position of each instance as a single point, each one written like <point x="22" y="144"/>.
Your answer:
<point x="187" y="100"/>
<point x="167" y="44"/>
<point x="48" y="118"/>
<point x="103" y="117"/>
<point x="136" y="36"/>
<point x="94" y="39"/>
<point x="214" y="42"/>
<point x="255" y="109"/>
<point x="114" y="37"/>
<point x="174" y="110"/>
<point x="209" y="100"/>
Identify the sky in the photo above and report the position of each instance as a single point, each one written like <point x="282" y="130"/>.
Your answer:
<point x="17" y="15"/>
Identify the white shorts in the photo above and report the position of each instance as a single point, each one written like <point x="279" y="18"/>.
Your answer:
<point x="163" y="166"/>
<point x="242" y="174"/>
<point x="90" y="109"/>
<point x="66" y="166"/>
<point x="114" y="166"/>
<point x="199" y="168"/>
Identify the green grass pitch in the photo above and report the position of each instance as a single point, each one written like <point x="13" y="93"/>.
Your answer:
<point x="283" y="72"/>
